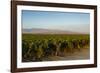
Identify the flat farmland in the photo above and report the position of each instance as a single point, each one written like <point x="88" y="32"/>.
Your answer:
<point x="54" y="36"/>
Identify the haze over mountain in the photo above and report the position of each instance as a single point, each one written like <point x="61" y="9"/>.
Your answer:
<point x="48" y="31"/>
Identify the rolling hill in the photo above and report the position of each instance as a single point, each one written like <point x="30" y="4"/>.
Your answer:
<point x="47" y="31"/>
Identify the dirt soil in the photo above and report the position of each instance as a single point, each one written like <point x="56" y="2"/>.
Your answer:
<point x="83" y="54"/>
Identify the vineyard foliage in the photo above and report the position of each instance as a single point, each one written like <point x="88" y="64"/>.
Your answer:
<point x="36" y="47"/>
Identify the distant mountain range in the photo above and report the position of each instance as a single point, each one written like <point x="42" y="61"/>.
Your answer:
<point x="47" y="31"/>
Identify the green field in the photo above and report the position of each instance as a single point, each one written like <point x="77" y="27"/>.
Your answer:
<point x="44" y="47"/>
<point x="29" y="37"/>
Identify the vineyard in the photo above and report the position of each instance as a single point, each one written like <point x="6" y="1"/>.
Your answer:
<point x="37" y="47"/>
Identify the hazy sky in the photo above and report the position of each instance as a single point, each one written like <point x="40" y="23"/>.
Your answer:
<point x="71" y="21"/>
